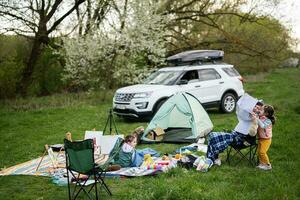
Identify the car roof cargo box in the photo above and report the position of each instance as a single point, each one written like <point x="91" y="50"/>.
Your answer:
<point x="196" y="56"/>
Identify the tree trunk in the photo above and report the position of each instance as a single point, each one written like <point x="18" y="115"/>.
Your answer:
<point x="36" y="51"/>
<point x="29" y="67"/>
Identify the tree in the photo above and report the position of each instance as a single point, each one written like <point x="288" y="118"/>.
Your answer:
<point x="121" y="50"/>
<point x="35" y="20"/>
<point x="268" y="43"/>
<point x="91" y="15"/>
<point x="116" y="48"/>
<point x="243" y="29"/>
<point x="192" y="20"/>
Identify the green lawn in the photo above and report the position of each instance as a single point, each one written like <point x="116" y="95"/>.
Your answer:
<point x="27" y="124"/>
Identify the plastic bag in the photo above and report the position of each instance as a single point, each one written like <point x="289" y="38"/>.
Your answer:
<point x="203" y="164"/>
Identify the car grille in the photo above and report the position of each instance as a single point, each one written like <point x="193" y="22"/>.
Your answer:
<point x="123" y="97"/>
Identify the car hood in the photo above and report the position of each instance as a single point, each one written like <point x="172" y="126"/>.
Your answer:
<point x="141" y="88"/>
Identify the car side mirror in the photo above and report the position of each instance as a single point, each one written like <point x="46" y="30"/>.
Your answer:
<point x="183" y="82"/>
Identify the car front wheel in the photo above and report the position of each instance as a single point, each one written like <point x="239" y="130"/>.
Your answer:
<point x="228" y="103"/>
<point x="158" y="105"/>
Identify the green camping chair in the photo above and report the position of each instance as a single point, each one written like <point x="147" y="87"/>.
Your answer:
<point x="80" y="160"/>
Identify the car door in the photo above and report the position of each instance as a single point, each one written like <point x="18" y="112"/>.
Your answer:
<point x="208" y="88"/>
<point x="189" y="82"/>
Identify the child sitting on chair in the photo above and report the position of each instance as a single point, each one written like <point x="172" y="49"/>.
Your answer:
<point x="127" y="152"/>
<point x="265" y="121"/>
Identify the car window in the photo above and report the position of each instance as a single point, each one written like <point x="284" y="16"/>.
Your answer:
<point x="163" y="77"/>
<point x="191" y="76"/>
<point x="208" y="74"/>
<point x="230" y="71"/>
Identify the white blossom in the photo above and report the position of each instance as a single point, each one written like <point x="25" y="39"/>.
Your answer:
<point x="114" y="56"/>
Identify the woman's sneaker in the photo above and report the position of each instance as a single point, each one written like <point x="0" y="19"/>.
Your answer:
<point x="218" y="162"/>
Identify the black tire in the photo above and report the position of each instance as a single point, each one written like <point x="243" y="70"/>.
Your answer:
<point x="158" y="105"/>
<point x="228" y="103"/>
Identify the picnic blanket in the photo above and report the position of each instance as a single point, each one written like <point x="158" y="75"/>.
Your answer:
<point x="192" y="147"/>
<point x="46" y="168"/>
<point x="133" y="171"/>
<point x="144" y="171"/>
<point x="29" y="168"/>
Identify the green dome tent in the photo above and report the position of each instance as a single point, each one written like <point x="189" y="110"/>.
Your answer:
<point x="182" y="119"/>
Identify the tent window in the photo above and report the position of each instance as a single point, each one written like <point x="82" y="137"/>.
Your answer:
<point x="208" y="74"/>
<point x="191" y="76"/>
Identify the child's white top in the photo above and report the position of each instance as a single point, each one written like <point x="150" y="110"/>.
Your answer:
<point x="127" y="148"/>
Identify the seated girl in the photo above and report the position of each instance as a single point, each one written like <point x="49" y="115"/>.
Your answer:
<point x="127" y="152"/>
<point x="129" y="156"/>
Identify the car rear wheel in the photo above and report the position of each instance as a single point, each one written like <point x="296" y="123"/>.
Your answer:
<point x="228" y="103"/>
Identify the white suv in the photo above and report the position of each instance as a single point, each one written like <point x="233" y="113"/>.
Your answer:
<point x="215" y="84"/>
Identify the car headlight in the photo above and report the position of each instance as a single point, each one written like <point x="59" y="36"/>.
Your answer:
<point x="142" y="95"/>
<point x="141" y="105"/>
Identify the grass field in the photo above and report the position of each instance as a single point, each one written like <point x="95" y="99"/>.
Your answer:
<point x="27" y="124"/>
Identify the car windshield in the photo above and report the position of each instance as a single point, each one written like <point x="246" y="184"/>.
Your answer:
<point x="162" y="77"/>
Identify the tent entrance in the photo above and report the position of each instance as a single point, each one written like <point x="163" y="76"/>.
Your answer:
<point x="177" y="135"/>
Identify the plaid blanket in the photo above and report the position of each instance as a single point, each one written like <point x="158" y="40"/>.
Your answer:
<point x="219" y="141"/>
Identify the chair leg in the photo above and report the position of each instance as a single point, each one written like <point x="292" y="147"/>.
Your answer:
<point x="101" y="181"/>
<point x="242" y="156"/>
<point x="254" y="157"/>
<point x="228" y="155"/>
<point x="238" y="152"/>
<point x="249" y="156"/>
<point x="95" y="178"/>
<point x="69" y="189"/>
<point x="105" y="186"/>
<point x="82" y="189"/>
<point x="79" y="184"/>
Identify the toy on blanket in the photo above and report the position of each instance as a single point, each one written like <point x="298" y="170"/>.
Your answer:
<point x="178" y="156"/>
<point x="165" y="157"/>
<point x="158" y="165"/>
<point x="163" y="163"/>
<point x="154" y="166"/>
<point x="148" y="160"/>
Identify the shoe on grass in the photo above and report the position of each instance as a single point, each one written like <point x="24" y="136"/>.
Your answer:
<point x="217" y="162"/>
<point x="265" y="167"/>
<point x="260" y="165"/>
